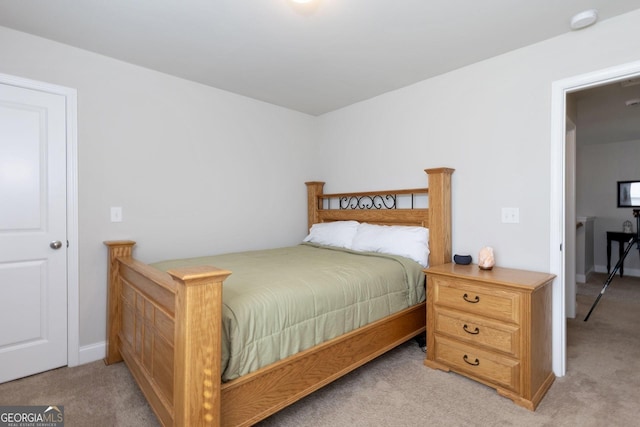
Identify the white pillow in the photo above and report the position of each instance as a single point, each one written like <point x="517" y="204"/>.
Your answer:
<point x="406" y="241"/>
<point x="338" y="233"/>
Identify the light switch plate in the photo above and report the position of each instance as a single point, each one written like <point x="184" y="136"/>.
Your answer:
<point x="116" y="214"/>
<point x="511" y="215"/>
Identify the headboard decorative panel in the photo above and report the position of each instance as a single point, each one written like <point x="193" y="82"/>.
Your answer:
<point x="383" y="207"/>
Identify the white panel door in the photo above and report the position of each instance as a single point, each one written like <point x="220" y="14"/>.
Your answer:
<point x="33" y="242"/>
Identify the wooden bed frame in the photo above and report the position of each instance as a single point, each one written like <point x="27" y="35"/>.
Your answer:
<point x="167" y="326"/>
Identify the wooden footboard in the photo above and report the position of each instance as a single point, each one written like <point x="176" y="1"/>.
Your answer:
<point x="167" y="328"/>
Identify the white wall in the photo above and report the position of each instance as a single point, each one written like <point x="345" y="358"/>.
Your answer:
<point x="600" y="167"/>
<point x="197" y="170"/>
<point x="491" y="121"/>
<point x="585" y="264"/>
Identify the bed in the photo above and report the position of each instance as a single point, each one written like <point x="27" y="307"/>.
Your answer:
<point x="167" y="326"/>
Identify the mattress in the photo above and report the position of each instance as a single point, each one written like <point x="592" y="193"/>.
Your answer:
<point x="279" y="302"/>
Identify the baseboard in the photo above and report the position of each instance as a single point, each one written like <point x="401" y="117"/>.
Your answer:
<point x="92" y="352"/>
<point x="631" y="272"/>
<point x="584" y="278"/>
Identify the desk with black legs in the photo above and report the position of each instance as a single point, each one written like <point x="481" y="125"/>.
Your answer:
<point x="622" y="239"/>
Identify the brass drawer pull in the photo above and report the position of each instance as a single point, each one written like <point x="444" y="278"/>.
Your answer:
<point x="476" y="331"/>
<point x="474" y="301"/>
<point x="475" y="363"/>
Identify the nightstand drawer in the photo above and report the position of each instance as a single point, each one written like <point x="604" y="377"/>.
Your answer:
<point x="495" y="369"/>
<point x="471" y="298"/>
<point x="480" y="331"/>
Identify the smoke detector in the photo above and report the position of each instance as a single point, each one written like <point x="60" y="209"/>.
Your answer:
<point x="584" y="19"/>
<point x="632" y="102"/>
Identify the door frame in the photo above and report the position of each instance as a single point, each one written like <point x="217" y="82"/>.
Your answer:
<point x="557" y="262"/>
<point x="73" y="289"/>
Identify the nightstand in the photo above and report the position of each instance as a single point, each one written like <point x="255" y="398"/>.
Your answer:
<point x="493" y="326"/>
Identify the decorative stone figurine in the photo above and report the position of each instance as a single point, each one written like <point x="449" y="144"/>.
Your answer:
<point x="485" y="258"/>
<point x="627" y="227"/>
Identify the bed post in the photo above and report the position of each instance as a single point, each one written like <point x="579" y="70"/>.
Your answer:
<point x="439" y="215"/>
<point x="314" y="191"/>
<point x="116" y="249"/>
<point x="197" y="345"/>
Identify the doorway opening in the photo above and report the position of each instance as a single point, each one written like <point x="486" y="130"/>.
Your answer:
<point x="561" y="195"/>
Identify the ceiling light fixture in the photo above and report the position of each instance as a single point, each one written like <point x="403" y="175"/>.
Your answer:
<point x="584" y="19"/>
<point x="304" y="7"/>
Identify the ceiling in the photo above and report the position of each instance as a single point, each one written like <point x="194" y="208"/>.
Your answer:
<point x="603" y="115"/>
<point x="324" y="57"/>
<point x="312" y="60"/>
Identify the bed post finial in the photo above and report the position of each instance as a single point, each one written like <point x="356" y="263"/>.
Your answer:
<point x="439" y="215"/>
<point x="314" y="191"/>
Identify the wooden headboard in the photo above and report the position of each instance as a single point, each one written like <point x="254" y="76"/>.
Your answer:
<point x="381" y="207"/>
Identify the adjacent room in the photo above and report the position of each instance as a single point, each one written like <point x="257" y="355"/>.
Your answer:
<point x="398" y="164"/>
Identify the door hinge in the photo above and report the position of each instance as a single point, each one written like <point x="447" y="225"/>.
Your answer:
<point x="560" y="247"/>
<point x="67" y="243"/>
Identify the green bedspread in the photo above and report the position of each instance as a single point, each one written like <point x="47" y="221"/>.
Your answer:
<point x="279" y="302"/>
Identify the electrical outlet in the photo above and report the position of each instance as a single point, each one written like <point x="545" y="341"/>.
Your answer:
<point x="116" y="214"/>
<point x="511" y="215"/>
